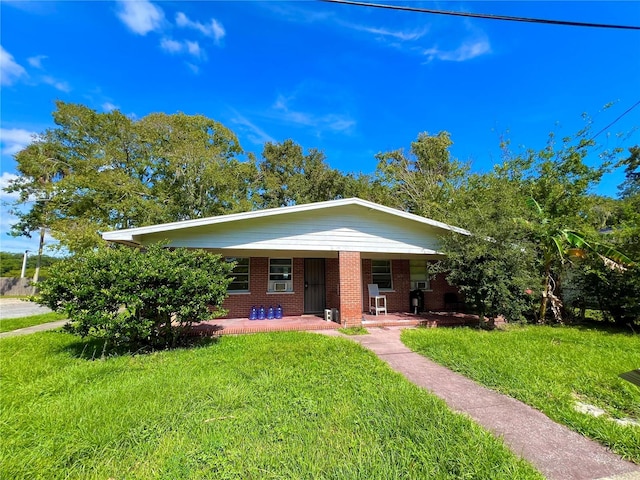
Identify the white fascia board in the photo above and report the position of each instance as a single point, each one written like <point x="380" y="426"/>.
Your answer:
<point x="129" y="234"/>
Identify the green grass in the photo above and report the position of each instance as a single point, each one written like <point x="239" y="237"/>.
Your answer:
<point x="549" y="368"/>
<point x="282" y="405"/>
<point x="8" y="324"/>
<point x="354" y="331"/>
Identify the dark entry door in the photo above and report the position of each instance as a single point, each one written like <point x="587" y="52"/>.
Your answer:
<point x="314" y="289"/>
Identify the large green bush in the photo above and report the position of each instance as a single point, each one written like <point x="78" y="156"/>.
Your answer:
<point x="137" y="298"/>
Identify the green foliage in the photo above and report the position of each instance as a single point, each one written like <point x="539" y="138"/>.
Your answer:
<point x="423" y="182"/>
<point x="138" y="298"/>
<point x="354" y="331"/>
<point x="11" y="264"/>
<point x="551" y="369"/>
<point x="630" y="188"/>
<point x="535" y="207"/>
<point x="284" y="405"/>
<point x="288" y="176"/>
<point x="102" y="171"/>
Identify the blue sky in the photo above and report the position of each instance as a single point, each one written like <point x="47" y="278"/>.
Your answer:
<point x="350" y="81"/>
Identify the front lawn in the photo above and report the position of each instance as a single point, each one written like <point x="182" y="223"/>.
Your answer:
<point x="282" y="405"/>
<point x="554" y="369"/>
<point x="8" y="324"/>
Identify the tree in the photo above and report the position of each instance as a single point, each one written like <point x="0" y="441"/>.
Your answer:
<point x="424" y="181"/>
<point x="556" y="243"/>
<point x="616" y="291"/>
<point x="135" y="298"/>
<point x="101" y="171"/>
<point x="494" y="266"/>
<point x="288" y="176"/>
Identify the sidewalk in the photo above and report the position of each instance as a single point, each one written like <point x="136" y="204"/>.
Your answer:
<point x="556" y="451"/>
<point x="35" y="328"/>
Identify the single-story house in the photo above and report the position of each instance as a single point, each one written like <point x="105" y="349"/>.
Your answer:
<point x="312" y="257"/>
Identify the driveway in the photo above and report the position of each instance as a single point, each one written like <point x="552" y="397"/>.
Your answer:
<point x="15" y="308"/>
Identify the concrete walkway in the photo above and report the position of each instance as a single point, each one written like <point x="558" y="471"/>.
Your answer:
<point x="17" y="307"/>
<point x="556" y="451"/>
<point x="35" y="328"/>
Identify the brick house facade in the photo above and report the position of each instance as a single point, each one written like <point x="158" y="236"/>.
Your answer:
<point x="309" y="257"/>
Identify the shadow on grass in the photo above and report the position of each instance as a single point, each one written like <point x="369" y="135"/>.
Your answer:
<point x="92" y="348"/>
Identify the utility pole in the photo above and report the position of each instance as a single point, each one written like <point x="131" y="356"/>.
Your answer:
<point x="38" y="261"/>
<point x="24" y="264"/>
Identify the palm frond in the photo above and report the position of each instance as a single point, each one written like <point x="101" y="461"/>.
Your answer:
<point x="531" y="202"/>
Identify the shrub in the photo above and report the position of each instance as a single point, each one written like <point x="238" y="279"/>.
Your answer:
<point x="136" y="298"/>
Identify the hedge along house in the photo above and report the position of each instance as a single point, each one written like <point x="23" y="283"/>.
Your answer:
<point x="308" y="258"/>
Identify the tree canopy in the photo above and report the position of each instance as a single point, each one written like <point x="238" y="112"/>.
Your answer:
<point x="536" y="224"/>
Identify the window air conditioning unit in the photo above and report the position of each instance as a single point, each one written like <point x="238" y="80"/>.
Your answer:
<point x="280" y="287"/>
<point x="421" y="285"/>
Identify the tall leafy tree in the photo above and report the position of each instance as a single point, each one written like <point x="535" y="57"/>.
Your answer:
<point x="288" y="176"/>
<point x="424" y="180"/>
<point x="99" y="171"/>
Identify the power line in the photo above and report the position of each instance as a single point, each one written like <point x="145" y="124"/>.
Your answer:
<point x="483" y="15"/>
<point x="616" y="120"/>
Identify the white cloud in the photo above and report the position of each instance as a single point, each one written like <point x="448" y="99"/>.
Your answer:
<point x="329" y="121"/>
<point x="4" y="183"/>
<point x="171" y="46"/>
<point x="254" y="133"/>
<point x="57" y="84"/>
<point x="108" y="106"/>
<point x="194" y="68"/>
<point x="10" y="70"/>
<point x="468" y="50"/>
<point x="405" y="36"/>
<point x="140" y="16"/>
<point x="36" y="61"/>
<point x="193" y="48"/>
<point x="213" y="29"/>
<point x="174" y="46"/>
<point x="15" y="139"/>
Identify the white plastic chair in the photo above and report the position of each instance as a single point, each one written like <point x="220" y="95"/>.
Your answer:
<point x="377" y="302"/>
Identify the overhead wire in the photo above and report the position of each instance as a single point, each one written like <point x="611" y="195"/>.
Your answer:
<point x="483" y="15"/>
<point x="616" y="120"/>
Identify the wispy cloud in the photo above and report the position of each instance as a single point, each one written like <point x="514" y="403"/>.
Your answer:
<point x="469" y="49"/>
<point x="141" y="16"/>
<point x="213" y="29"/>
<point x="402" y="35"/>
<point x="174" y="46"/>
<point x="5" y="179"/>
<point x="57" y="84"/>
<point x="108" y="106"/>
<point x="333" y="122"/>
<point x="10" y="70"/>
<point x="36" y="61"/>
<point x="254" y="133"/>
<point x="15" y="139"/>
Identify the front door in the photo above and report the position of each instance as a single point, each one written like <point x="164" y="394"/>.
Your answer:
<point x="314" y="290"/>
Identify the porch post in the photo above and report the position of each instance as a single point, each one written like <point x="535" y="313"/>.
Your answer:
<point x="350" y="288"/>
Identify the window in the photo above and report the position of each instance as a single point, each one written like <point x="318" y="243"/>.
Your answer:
<point x="280" y="275"/>
<point x="419" y="275"/>
<point x="381" y="274"/>
<point x="240" y="274"/>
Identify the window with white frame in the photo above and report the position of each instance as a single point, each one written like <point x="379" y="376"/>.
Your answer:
<point x="381" y="274"/>
<point x="281" y="275"/>
<point x="240" y="274"/>
<point x="419" y="275"/>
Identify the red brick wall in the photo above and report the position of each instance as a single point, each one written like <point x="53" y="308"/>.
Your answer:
<point x="332" y="282"/>
<point x="239" y="305"/>
<point x="434" y="300"/>
<point x="398" y="299"/>
<point x="350" y="288"/>
<point x="345" y="274"/>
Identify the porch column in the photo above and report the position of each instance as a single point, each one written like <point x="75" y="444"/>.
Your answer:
<point x="350" y="288"/>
